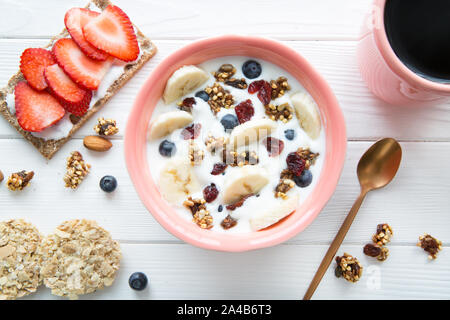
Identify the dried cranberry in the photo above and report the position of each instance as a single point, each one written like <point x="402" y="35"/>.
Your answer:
<point x="255" y="86"/>
<point x="274" y="146"/>
<point x="239" y="203"/>
<point x="244" y="111"/>
<point x="295" y="163"/>
<point x="210" y="193"/>
<point x="191" y="132"/>
<point x="372" y="250"/>
<point x="187" y="104"/>
<point x="218" y="168"/>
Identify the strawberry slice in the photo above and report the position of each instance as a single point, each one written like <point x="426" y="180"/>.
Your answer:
<point x="36" y="110"/>
<point x="86" y="72"/>
<point x="73" y="98"/>
<point x="32" y="64"/>
<point x="75" y="19"/>
<point x="113" y="32"/>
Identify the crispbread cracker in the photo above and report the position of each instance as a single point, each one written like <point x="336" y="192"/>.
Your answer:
<point x="49" y="147"/>
<point x="19" y="260"/>
<point x="79" y="258"/>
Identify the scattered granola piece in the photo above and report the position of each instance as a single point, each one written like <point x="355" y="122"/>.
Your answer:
<point x="1" y="176"/>
<point x="19" y="180"/>
<point x="348" y="267"/>
<point x="79" y="258"/>
<point x="196" y="154"/>
<point x="279" y="87"/>
<point x="371" y="250"/>
<point x="228" y="223"/>
<point x="283" y="112"/>
<point x="19" y="260"/>
<point x="219" y="98"/>
<point x="307" y="155"/>
<point x="199" y="212"/>
<point x="383" y="235"/>
<point x="215" y="144"/>
<point x="237" y="83"/>
<point x="106" y="127"/>
<point x="77" y="170"/>
<point x="239" y="159"/>
<point x="225" y="72"/>
<point x="283" y="187"/>
<point x="430" y="245"/>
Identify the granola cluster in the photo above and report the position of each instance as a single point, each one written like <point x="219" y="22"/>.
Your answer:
<point x="196" y="154"/>
<point x="377" y="249"/>
<point x="283" y="187"/>
<point x="225" y="72"/>
<point x="79" y="258"/>
<point x="228" y="223"/>
<point x="215" y="144"/>
<point x="307" y="155"/>
<point x="19" y="260"/>
<point x="219" y="98"/>
<point x="237" y="83"/>
<point x="430" y="245"/>
<point x="348" y="267"/>
<point x="373" y="250"/>
<point x="106" y="127"/>
<point x="282" y="112"/>
<point x="187" y="104"/>
<point x="239" y="159"/>
<point x="383" y="235"/>
<point x="199" y="212"/>
<point x="279" y="87"/>
<point x="19" y="180"/>
<point x="77" y="170"/>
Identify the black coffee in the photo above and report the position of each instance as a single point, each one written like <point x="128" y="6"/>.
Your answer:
<point x="419" y="33"/>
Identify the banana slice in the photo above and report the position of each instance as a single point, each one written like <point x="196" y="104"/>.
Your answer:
<point x="307" y="114"/>
<point x="183" y="81"/>
<point x="177" y="180"/>
<point x="168" y="122"/>
<point x="251" y="131"/>
<point x="273" y="213"/>
<point x="244" y="181"/>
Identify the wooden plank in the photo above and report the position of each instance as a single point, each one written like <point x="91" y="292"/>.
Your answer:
<point x="179" y="19"/>
<point x="367" y="117"/>
<point x="184" y="272"/>
<point x="416" y="202"/>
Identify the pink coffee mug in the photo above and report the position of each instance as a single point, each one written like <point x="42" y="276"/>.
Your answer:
<point x="385" y="74"/>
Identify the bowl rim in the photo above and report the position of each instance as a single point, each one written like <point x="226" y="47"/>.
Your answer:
<point x="137" y="164"/>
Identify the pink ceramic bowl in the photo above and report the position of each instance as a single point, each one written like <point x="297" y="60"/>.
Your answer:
<point x="198" y="52"/>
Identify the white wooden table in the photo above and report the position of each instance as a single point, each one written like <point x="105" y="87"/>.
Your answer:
<point x="326" y="33"/>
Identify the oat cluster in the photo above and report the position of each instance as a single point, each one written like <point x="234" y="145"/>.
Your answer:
<point x="79" y="258"/>
<point x="199" y="212"/>
<point x="225" y="72"/>
<point x="375" y="251"/>
<point x="283" y="112"/>
<point x="19" y="260"/>
<point x="239" y="159"/>
<point x="19" y="180"/>
<point x="219" y="98"/>
<point x="77" y="170"/>
<point x="215" y="144"/>
<point x="309" y="156"/>
<point x="106" y="127"/>
<point x="383" y="235"/>
<point x="430" y="245"/>
<point x="279" y="87"/>
<point x="237" y="83"/>
<point x="283" y="187"/>
<point x="348" y="267"/>
<point x="196" y="154"/>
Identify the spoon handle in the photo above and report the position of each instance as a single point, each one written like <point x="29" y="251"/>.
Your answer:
<point x="334" y="246"/>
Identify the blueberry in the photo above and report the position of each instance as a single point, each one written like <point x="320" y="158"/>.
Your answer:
<point x="289" y="134"/>
<point x="167" y="148"/>
<point x="229" y="121"/>
<point x="138" y="281"/>
<point x="220" y="209"/>
<point x="108" y="183"/>
<point x="251" y="69"/>
<point x="304" y="179"/>
<point x="202" y="95"/>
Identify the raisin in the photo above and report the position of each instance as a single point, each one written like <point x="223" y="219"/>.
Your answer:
<point x="239" y="203"/>
<point x="218" y="168"/>
<point x="274" y="146"/>
<point x="187" y="104"/>
<point x="191" y="132"/>
<point x="372" y="250"/>
<point x="244" y="111"/>
<point x="295" y="163"/>
<point x="228" y="222"/>
<point x="210" y="193"/>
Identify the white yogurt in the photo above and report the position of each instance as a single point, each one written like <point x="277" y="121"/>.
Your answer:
<point x="211" y="125"/>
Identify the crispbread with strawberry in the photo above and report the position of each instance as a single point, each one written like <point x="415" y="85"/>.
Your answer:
<point x="63" y="78"/>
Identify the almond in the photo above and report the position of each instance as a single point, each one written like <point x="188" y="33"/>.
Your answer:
<point x="97" y="143"/>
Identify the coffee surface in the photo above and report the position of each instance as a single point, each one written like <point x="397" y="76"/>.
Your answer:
<point x="419" y="33"/>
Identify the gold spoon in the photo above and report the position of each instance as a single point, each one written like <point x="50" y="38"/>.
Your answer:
<point x="376" y="168"/>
